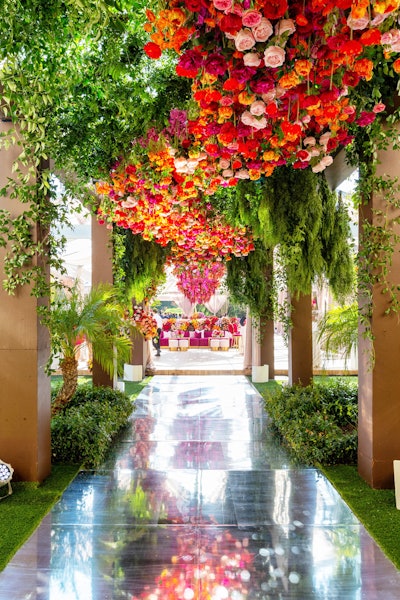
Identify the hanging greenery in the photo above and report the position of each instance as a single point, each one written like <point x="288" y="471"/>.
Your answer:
<point x="138" y="265"/>
<point x="294" y="211"/>
<point x="75" y="86"/>
<point x="249" y="281"/>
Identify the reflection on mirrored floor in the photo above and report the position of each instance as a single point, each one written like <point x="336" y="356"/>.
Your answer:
<point x="198" y="501"/>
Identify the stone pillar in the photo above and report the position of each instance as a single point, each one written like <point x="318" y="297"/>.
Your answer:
<point x="24" y="352"/>
<point x="379" y="382"/>
<point x="248" y="343"/>
<point x="267" y="346"/>
<point x="102" y="272"/>
<point x="300" y="341"/>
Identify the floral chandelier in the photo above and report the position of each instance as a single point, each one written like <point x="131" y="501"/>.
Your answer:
<point x="271" y="79"/>
<point x="271" y="87"/>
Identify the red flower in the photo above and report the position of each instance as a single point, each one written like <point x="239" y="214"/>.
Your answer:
<point x="351" y="48"/>
<point x="230" y="23"/>
<point x="215" y="64"/>
<point x="152" y="50"/>
<point x="189" y="63"/>
<point x="351" y="78"/>
<point x="275" y="9"/>
<point x="371" y="37"/>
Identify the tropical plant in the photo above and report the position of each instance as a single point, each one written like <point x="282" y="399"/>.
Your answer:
<point x="338" y="330"/>
<point x="96" y="318"/>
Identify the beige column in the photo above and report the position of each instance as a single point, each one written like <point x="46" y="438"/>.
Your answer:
<point x="379" y="385"/>
<point x="24" y="351"/>
<point x="102" y="272"/>
<point x="300" y="341"/>
<point x="267" y="350"/>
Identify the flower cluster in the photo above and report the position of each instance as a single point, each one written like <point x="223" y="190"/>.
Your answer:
<point x="199" y="281"/>
<point x="271" y="79"/>
<point x="144" y="322"/>
<point x="217" y="332"/>
<point x="157" y="196"/>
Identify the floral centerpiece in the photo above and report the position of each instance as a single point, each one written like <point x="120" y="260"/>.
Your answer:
<point x="217" y="332"/>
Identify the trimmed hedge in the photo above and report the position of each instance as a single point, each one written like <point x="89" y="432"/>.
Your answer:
<point x="84" y="431"/>
<point x="317" y="423"/>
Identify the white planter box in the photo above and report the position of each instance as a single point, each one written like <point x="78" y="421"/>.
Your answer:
<point x="260" y="374"/>
<point x="133" y="372"/>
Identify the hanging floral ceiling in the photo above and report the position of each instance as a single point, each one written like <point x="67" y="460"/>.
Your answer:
<point x="271" y="84"/>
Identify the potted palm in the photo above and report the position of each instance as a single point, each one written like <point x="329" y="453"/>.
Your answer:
<point x="98" y="319"/>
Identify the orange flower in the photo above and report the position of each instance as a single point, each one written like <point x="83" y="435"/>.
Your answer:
<point x="224" y="113"/>
<point x="289" y="80"/>
<point x="359" y="9"/>
<point x="364" y="67"/>
<point x="303" y="67"/>
<point x="396" y="66"/>
<point x="246" y="98"/>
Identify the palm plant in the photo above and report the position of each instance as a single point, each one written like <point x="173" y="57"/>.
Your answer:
<point x="98" y="319"/>
<point x="338" y="330"/>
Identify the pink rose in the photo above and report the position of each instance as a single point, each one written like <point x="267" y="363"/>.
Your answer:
<point x="285" y="26"/>
<point x="226" y="101"/>
<point x="242" y="174"/>
<point x="257" y="108"/>
<point x="378" y="19"/>
<point x="224" y="163"/>
<point x="227" y="173"/>
<point x="251" y="59"/>
<point x="274" y="56"/>
<point x="251" y="18"/>
<point x="309" y="141"/>
<point x="252" y="121"/>
<point x="379" y="107"/>
<point x="263" y="31"/>
<point x="324" y="138"/>
<point x="269" y="96"/>
<point x="391" y="38"/>
<point x="244" y="40"/>
<point x="361" y="23"/>
<point x="223" y="5"/>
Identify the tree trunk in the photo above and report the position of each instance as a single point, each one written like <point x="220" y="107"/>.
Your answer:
<point x="69" y="370"/>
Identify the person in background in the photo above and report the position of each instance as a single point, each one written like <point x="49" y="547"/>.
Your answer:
<point x="156" y="340"/>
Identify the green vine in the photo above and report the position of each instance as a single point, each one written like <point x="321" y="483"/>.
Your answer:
<point x="75" y="87"/>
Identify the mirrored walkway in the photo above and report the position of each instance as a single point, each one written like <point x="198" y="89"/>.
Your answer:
<point x="199" y="502"/>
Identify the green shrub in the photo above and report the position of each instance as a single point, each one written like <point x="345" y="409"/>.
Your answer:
<point x="318" y="423"/>
<point x="84" y="431"/>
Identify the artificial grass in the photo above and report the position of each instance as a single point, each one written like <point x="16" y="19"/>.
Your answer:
<point x="376" y="509"/>
<point x="22" y="512"/>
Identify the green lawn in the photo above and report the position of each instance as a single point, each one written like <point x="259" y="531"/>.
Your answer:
<point x="22" y="512"/>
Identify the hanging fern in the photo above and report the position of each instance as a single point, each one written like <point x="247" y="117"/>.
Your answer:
<point x="138" y="264"/>
<point x="249" y="281"/>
